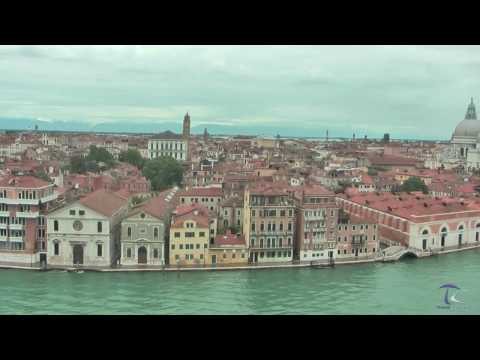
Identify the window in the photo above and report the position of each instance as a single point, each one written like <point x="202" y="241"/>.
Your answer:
<point x="129" y="232"/>
<point x="129" y="253"/>
<point x="155" y="253"/>
<point x="189" y="234"/>
<point x="253" y="226"/>
<point x="155" y="233"/>
<point x="55" y="225"/>
<point x="173" y="247"/>
<point x="99" y="227"/>
<point x="177" y="257"/>
<point x="289" y="226"/>
<point x="72" y="212"/>
<point x="81" y="212"/>
<point x="201" y="234"/>
<point x="198" y="246"/>
<point x="224" y="256"/>
<point x="181" y="246"/>
<point x="205" y="246"/>
<point x="56" y="249"/>
<point x="177" y="234"/>
<point x="99" y="249"/>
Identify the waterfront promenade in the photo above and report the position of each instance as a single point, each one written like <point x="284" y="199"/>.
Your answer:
<point x="391" y="254"/>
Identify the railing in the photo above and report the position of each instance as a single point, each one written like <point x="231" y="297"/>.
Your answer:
<point x="28" y="214"/>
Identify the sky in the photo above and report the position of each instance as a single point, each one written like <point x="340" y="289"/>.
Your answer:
<point x="407" y="91"/>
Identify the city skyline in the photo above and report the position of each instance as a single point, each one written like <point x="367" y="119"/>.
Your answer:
<point x="290" y="90"/>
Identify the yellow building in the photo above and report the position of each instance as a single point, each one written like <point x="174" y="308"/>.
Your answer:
<point x="192" y="230"/>
<point x="228" y="249"/>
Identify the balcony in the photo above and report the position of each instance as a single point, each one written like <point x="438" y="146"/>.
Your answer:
<point x="16" y="226"/>
<point x="4" y="213"/>
<point x="28" y="214"/>
<point x="49" y="197"/>
<point x="19" y="201"/>
<point x="16" y="239"/>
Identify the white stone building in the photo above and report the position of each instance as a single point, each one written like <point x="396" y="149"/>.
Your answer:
<point x="86" y="232"/>
<point x="145" y="229"/>
<point x="168" y="144"/>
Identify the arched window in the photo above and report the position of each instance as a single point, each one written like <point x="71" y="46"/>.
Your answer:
<point x="56" y="248"/>
<point x="155" y="233"/>
<point x="55" y="225"/>
<point x="443" y="236"/>
<point x="425" y="232"/>
<point x="129" y="232"/>
<point x="460" y="234"/>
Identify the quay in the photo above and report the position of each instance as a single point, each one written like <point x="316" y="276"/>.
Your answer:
<point x="391" y="254"/>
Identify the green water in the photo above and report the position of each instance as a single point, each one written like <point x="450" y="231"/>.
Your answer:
<point x="406" y="287"/>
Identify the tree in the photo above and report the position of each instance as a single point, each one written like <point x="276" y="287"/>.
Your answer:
<point x="414" y="183"/>
<point x="163" y="172"/>
<point x="78" y="165"/>
<point x="41" y="174"/>
<point x="100" y="155"/>
<point x="372" y="171"/>
<point x="133" y="157"/>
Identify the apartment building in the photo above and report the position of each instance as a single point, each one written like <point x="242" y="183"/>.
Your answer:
<point x="316" y="224"/>
<point x="269" y="222"/>
<point x="192" y="231"/>
<point x="356" y="238"/>
<point x="24" y="203"/>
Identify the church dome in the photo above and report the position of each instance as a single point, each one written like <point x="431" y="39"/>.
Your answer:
<point x="470" y="126"/>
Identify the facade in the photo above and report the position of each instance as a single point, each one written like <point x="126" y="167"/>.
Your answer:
<point x="171" y="144"/>
<point x="418" y="221"/>
<point x="228" y="249"/>
<point x="86" y="232"/>
<point x="231" y="213"/>
<point x="210" y="197"/>
<point x="145" y="229"/>
<point x="269" y="223"/>
<point x="24" y="203"/>
<point x="316" y="224"/>
<point x="192" y="230"/>
<point x="356" y="238"/>
<point x="168" y="144"/>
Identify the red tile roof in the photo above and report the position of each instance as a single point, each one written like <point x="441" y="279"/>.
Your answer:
<point x="104" y="202"/>
<point x="195" y="212"/>
<point x="212" y="191"/>
<point x="158" y="206"/>
<point x="24" y="182"/>
<point x="413" y="206"/>
<point x="229" y="239"/>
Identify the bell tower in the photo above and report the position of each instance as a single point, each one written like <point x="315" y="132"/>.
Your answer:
<point x="186" y="126"/>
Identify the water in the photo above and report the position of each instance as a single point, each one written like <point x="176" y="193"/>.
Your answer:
<point x="406" y="287"/>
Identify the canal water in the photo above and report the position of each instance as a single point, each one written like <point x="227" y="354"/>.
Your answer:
<point x="407" y="287"/>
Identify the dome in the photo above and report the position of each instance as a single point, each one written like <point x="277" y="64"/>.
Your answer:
<point x="470" y="126"/>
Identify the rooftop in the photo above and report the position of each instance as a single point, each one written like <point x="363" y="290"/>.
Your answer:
<point x="104" y="202"/>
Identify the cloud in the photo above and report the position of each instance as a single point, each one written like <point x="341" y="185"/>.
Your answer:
<point x="372" y="88"/>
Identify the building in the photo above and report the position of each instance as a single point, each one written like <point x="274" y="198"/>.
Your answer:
<point x="417" y="221"/>
<point x="86" y="232"/>
<point x="465" y="136"/>
<point x="316" y="224"/>
<point x="209" y="197"/>
<point x="145" y="229"/>
<point x="192" y="230"/>
<point x="231" y="213"/>
<point x="168" y="144"/>
<point x="24" y="203"/>
<point x="269" y="222"/>
<point x="171" y="144"/>
<point x="186" y="126"/>
<point x="228" y="249"/>
<point x="356" y="238"/>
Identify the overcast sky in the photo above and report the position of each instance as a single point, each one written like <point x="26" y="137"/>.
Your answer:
<point x="403" y="90"/>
